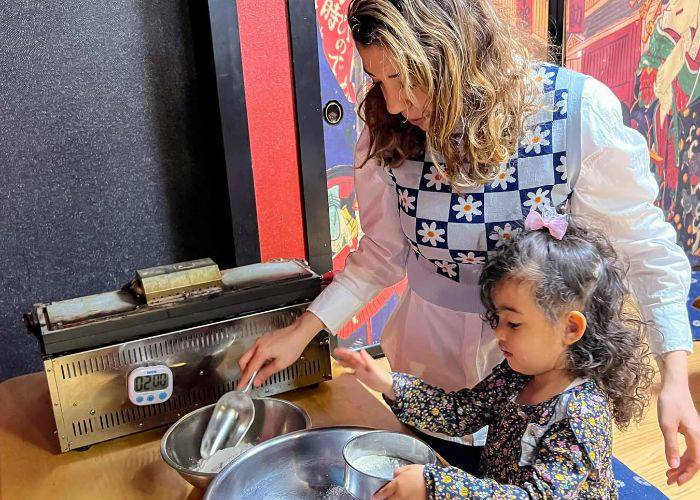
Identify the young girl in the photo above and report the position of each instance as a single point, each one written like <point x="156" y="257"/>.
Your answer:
<point x="574" y="362"/>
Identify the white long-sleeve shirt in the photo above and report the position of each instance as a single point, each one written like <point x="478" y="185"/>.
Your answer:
<point x="613" y="188"/>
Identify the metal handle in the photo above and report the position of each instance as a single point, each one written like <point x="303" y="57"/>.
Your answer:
<point x="250" y="382"/>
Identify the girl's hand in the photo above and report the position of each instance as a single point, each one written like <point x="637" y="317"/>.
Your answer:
<point x="278" y="349"/>
<point x="408" y="484"/>
<point x="366" y="370"/>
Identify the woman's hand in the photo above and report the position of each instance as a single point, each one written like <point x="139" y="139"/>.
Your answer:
<point x="367" y="370"/>
<point x="278" y="349"/>
<point x="677" y="414"/>
<point x="408" y="484"/>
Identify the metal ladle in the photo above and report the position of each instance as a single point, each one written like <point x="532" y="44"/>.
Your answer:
<point x="232" y="417"/>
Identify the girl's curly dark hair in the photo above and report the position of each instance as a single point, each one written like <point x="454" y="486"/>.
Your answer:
<point x="581" y="272"/>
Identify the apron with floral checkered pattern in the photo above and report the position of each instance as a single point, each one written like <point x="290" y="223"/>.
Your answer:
<point x="453" y="233"/>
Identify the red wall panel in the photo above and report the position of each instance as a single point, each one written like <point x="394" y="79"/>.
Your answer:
<point x="614" y="59"/>
<point x="269" y="93"/>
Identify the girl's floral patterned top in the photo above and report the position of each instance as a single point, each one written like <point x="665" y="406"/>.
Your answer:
<point x="559" y="448"/>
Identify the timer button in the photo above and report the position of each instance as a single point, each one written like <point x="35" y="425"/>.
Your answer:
<point x="150" y="397"/>
<point x="162" y="395"/>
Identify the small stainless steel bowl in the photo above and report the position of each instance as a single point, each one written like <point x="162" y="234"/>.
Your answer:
<point x="180" y="444"/>
<point x="362" y="484"/>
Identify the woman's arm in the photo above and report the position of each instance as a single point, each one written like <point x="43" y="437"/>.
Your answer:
<point x="380" y="259"/>
<point x="378" y="262"/>
<point x="615" y="190"/>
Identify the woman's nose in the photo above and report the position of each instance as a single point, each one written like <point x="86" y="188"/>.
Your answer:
<point x="395" y="102"/>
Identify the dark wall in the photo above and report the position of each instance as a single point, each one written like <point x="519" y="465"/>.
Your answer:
<point x="110" y="152"/>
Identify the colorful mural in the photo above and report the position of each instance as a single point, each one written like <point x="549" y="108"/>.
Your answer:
<point x="648" y="53"/>
<point x="342" y="80"/>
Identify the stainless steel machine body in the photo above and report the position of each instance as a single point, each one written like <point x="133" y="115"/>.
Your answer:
<point x="88" y="381"/>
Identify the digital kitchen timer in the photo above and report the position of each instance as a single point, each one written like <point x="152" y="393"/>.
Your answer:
<point x="148" y="385"/>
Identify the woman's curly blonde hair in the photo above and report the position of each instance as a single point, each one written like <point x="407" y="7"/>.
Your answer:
<point x="475" y="70"/>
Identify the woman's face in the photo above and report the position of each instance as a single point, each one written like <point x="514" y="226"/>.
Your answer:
<point x="379" y="65"/>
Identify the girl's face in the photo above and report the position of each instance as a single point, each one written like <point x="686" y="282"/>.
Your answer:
<point x="379" y="65"/>
<point x="530" y="342"/>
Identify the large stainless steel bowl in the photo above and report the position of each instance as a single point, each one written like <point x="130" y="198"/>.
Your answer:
<point x="302" y="465"/>
<point x="180" y="444"/>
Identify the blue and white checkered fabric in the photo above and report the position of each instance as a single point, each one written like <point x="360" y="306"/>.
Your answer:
<point x="454" y="229"/>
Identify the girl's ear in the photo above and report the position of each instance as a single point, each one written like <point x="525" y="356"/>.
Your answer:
<point x="575" y="327"/>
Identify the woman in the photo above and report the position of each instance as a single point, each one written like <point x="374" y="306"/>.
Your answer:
<point x="464" y="135"/>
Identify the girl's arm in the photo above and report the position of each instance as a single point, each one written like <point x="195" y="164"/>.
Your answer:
<point x="430" y="408"/>
<point x="453" y="413"/>
<point x="562" y="465"/>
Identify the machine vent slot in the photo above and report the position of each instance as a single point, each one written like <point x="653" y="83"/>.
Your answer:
<point x="201" y="396"/>
<point x="223" y="388"/>
<point x="82" y="427"/>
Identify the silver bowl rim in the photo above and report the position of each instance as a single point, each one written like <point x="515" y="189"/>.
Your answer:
<point x="171" y="463"/>
<point x="271" y="442"/>
<point x="349" y="462"/>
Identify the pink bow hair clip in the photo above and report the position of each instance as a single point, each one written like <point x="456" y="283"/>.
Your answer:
<point x="555" y="223"/>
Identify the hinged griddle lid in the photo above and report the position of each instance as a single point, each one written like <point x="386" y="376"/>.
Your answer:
<point x="107" y="318"/>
